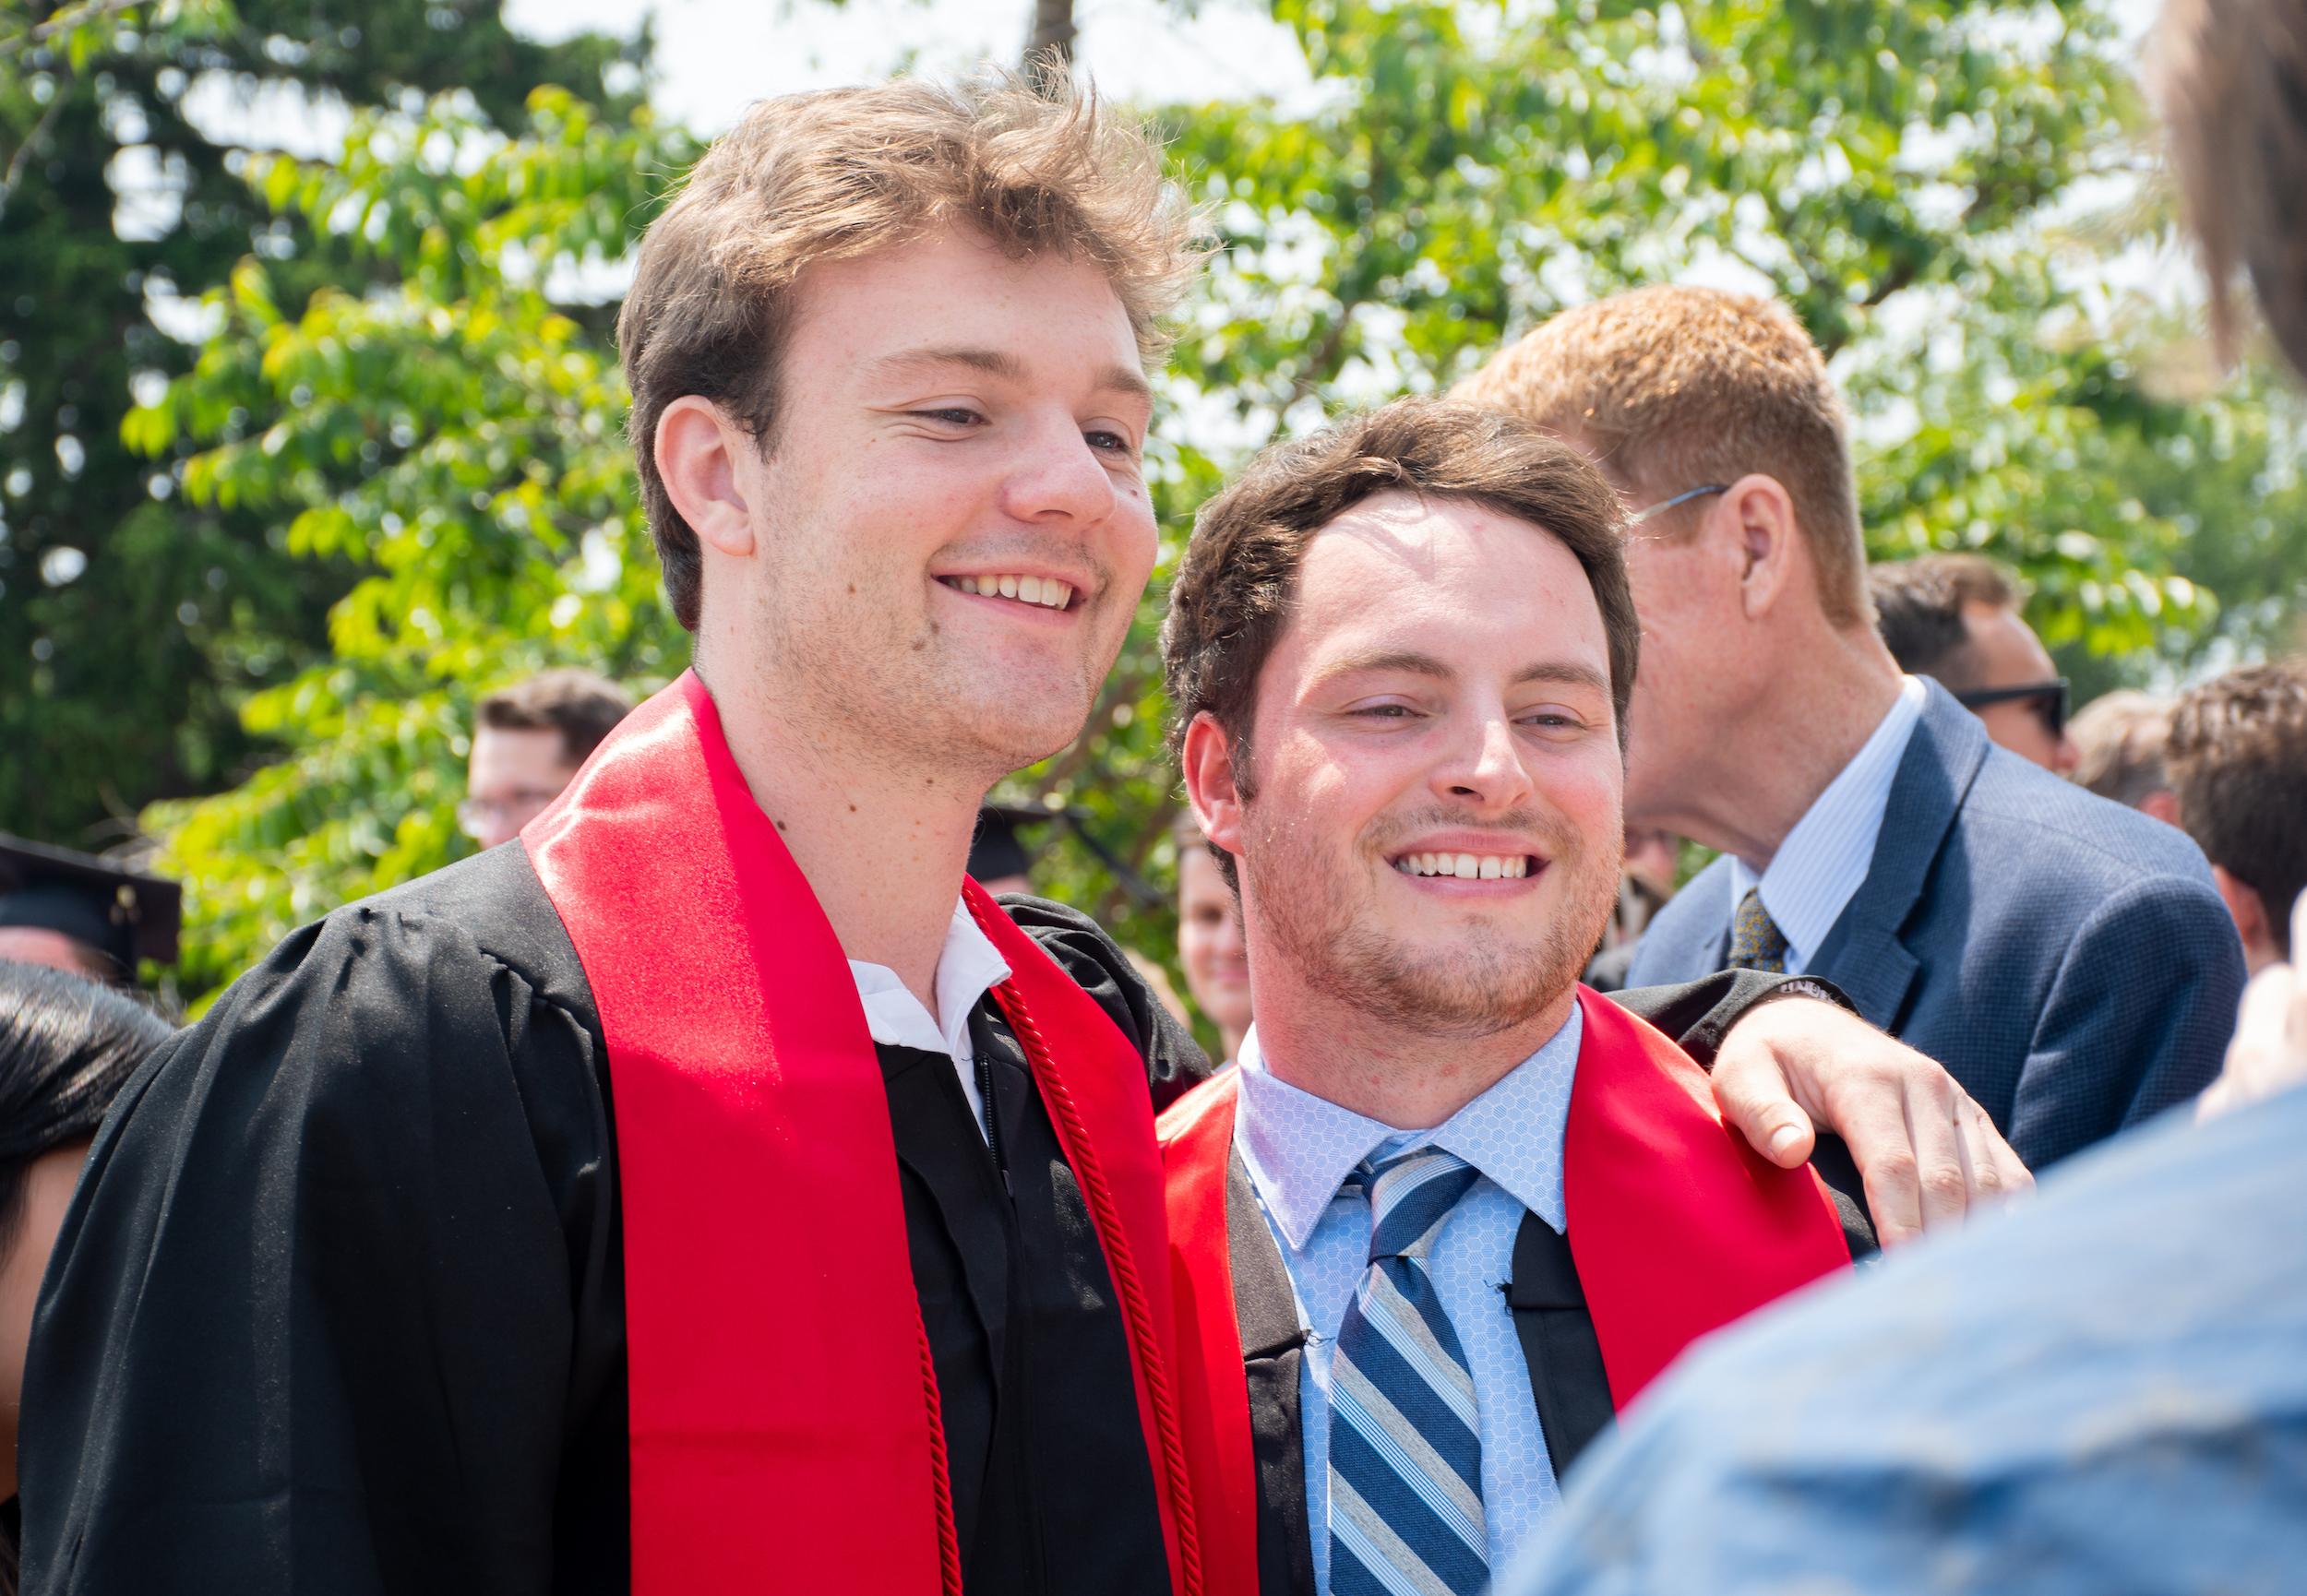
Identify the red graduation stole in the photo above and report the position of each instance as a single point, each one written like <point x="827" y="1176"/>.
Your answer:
<point x="783" y="1409"/>
<point x="1677" y="1227"/>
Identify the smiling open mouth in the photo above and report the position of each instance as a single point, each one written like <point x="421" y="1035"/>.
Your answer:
<point x="1047" y="592"/>
<point x="1466" y="866"/>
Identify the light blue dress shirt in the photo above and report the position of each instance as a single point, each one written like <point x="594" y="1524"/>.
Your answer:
<point x="1825" y="860"/>
<point x="1296" y="1148"/>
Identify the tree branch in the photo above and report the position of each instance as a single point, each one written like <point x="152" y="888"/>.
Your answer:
<point x="15" y="174"/>
<point x="1050" y="44"/>
<point x="68" y="17"/>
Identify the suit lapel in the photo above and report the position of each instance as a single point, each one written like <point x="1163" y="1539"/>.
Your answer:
<point x="1864" y="954"/>
<point x="1272" y="1347"/>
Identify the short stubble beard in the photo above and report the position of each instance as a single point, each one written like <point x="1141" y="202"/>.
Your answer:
<point x="1480" y="986"/>
<point x="889" y="698"/>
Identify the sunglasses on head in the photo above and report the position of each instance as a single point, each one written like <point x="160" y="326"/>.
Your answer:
<point x="2049" y="700"/>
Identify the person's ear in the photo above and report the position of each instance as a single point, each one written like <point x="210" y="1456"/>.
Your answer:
<point x="2251" y="913"/>
<point x="1212" y="787"/>
<point x="699" y="453"/>
<point x="1766" y="541"/>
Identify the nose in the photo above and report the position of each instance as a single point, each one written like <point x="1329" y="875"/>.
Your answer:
<point x="1056" y="476"/>
<point x="1482" y="765"/>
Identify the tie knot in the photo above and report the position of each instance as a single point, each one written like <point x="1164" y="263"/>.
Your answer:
<point x="1756" y="943"/>
<point x="1409" y="1198"/>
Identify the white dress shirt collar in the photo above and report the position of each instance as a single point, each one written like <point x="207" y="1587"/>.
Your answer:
<point x="1298" y="1148"/>
<point x="1825" y="858"/>
<point x="968" y="967"/>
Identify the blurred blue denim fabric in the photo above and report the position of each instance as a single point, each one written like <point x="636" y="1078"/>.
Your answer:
<point x="2102" y="1390"/>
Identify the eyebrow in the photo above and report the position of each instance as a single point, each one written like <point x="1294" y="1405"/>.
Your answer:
<point x="1007" y="366"/>
<point x="1410" y="662"/>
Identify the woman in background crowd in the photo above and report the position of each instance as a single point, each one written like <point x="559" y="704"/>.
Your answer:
<point x="66" y="1047"/>
<point x="1209" y="941"/>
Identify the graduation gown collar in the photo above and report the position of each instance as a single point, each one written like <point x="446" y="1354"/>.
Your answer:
<point x="783" y="1401"/>
<point x="1676" y="1228"/>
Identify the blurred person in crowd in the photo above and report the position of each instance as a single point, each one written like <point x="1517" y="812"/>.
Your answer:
<point x="2101" y="1390"/>
<point x="868" y="1295"/>
<point x="2237" y="126"/>
<point x="77" y="911"/>
<point x="2238" y="756"/>
<point x="2117" y="741"/>
<point x="1400" y="653"/>
<point x="1646" y="873"/>
<point x="67" y="1045"/>
<point x="1209" y="938"/>
<point x="1646" y="879"/>
<point x="1956" y="618"/>
<point x="999" y="858"/>
<point x="528" y="741"/>
<point x="2065" y="958"/>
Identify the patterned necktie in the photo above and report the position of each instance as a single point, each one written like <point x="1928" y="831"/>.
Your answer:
<point x="1756" y="943"/>
<point x="1405" y="1452"/>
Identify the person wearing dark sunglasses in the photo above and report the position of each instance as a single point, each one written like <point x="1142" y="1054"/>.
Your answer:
<point x="1956" y="618"/>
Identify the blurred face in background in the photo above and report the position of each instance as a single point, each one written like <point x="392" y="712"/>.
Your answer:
<point x="510" y="778"/>
<point x="1209" y="944"/>
<point x="48" y="1182"/>
<point x="2005" y="654"/>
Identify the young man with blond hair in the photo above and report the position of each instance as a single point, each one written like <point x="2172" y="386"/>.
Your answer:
<point x="718" y="1191"/>
<point x="2064" y="957"/>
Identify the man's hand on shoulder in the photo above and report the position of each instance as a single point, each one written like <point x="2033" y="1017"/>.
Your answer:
<point x="1795" y="1066"/>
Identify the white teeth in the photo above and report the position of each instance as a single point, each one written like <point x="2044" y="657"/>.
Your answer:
<point x="1466" y="866"/>
<point x="1047" y="592"/>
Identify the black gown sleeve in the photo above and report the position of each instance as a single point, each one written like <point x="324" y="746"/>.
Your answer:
<point x="1174" y="1060"/>
<point x="1699" y="1014"/>
<point x="312" y="1323"/>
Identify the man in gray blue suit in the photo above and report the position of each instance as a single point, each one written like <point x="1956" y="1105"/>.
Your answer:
<point x="2066" y="958"/>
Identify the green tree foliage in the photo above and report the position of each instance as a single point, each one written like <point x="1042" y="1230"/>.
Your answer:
<point x="1900" y="175"/>
<point x="131" y="620"/>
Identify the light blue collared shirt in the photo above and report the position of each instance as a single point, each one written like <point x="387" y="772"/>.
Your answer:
<point x="1297" y="1148"/>
<point x="1823" y="862"/>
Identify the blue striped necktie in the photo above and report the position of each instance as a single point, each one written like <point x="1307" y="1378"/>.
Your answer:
<point x="1405" y="1451"/>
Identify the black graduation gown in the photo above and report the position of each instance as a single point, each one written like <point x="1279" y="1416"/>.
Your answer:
<point x="340" y="1304"/>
